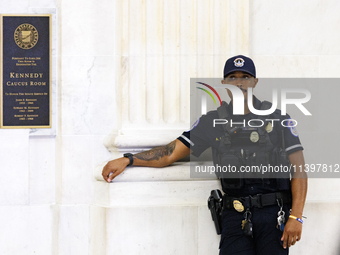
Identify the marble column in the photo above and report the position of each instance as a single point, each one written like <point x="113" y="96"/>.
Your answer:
<point x="159" y="46"/>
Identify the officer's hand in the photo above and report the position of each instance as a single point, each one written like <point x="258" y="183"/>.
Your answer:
<point x="291" y="233"/>
<point x="114" y="168"/>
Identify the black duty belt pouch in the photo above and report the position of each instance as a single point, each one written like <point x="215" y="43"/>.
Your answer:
<point x="229" y="166"/>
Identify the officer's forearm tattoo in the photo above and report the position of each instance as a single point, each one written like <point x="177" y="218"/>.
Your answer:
<point x="157" y="152"/>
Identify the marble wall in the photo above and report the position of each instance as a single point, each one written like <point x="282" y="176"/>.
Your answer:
<point x="28" y="168"/>
<point x="121" y="73"/>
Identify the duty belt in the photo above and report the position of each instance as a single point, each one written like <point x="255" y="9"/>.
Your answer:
<point x="259" y="200"/>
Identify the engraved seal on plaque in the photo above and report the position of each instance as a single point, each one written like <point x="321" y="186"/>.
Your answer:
<point x="26" y="36"/>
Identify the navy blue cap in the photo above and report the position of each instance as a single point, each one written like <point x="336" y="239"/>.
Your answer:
<point x="239" y="63"/>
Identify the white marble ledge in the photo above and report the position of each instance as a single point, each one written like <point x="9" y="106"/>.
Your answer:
<point x="172" y="185"/>
<point x="162" y="193"/>
<point x="178" y="171"/>
<point x="165" y="193"/>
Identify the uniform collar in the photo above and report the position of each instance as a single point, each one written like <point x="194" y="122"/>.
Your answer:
<point x="257" y="105"/>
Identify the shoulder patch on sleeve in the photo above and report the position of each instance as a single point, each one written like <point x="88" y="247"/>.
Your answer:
<point x="292" y="127"/>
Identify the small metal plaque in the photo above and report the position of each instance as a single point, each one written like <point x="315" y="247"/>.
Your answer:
<point x="26" y="71"/>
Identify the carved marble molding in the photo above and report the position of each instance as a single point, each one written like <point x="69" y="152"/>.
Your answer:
<point x="159" y="46"/>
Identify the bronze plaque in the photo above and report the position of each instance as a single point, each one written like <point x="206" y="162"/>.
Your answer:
<point x="26" y="71"/>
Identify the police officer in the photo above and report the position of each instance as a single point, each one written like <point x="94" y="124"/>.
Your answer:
<point x="255" y="217"/>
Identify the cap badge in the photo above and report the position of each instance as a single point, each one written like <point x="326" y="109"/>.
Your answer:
<point x="239" y="62"/>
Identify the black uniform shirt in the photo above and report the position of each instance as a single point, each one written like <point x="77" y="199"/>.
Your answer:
<point x="203" y="135"/>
